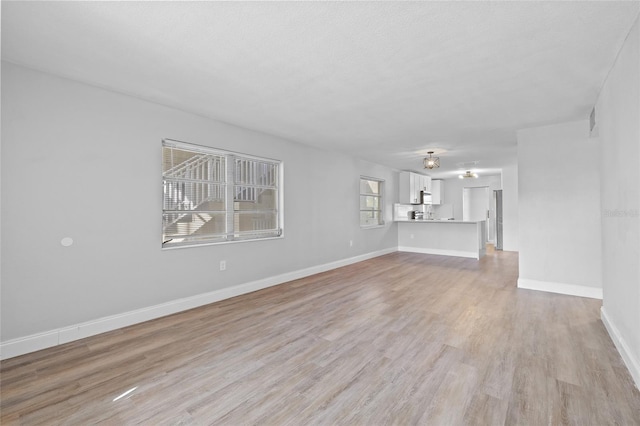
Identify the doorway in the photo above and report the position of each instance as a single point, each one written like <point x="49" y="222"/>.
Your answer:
<point x="497" y="208"/>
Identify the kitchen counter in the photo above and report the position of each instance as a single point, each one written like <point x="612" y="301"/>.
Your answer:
<point x="458" y="238"/>
<point x="437" y="221"/>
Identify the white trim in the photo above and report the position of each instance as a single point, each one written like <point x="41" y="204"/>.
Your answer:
<point x="632" y="363"/>
<point x="561" y="288"/>
<point x="251" y="240"/>
<point x="457" y="253"/>
<point x="384" y="225"/>
<point x="35" y="342"/>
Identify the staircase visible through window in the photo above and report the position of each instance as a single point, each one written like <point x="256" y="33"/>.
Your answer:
<point x="214" y="196"/>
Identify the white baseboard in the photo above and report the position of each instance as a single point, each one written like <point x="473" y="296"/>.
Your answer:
<point x="632" y="363"/>
<point x="439" y="252"/>
<point x="561" y="288"/>
<point x="35" y="342"/>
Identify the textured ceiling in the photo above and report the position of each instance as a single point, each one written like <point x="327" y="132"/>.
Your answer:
<point x="379" y="80"/>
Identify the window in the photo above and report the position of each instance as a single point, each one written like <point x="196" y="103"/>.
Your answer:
<point x="371" y="202"/>
<point x="215" y="196"/>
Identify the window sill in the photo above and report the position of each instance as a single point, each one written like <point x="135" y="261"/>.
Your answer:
<point x="220" y="243"/>
<point x="373" y="226"/>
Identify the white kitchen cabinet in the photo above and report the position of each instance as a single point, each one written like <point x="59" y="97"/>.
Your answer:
<point x="426" y="184"/>
<point x="437" y="192"/>
<point x="408" y="189"/>
<point x="410" y="186"/>
<point x="423" y="183"/>
<point x="414" y="186"/>
<point x="419" y="182"/>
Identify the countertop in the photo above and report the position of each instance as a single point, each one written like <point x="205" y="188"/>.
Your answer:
<point x="437" y="221"/>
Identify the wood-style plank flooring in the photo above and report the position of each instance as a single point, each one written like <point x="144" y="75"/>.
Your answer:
<point x="400" y="339"/>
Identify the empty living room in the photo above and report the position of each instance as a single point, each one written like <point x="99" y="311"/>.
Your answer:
<point x="320" y="213"/>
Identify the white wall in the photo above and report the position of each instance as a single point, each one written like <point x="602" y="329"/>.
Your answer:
<point x="618" y="118"/>
<point x="83" y="162"/>
<point x="559" y="209"/>
<point x="510" y="223"/>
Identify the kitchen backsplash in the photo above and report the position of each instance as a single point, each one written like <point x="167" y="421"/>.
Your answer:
<point x="401" y="211"/>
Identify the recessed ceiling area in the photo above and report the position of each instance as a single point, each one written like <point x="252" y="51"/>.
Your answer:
<point x="383" y="81"/>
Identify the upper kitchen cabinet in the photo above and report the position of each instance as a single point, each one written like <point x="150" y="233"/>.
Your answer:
<point x="410" y="186"/>
<point x="437" y="192"/>
<point x="426" y="184"/>
<point x="408" y="191"/>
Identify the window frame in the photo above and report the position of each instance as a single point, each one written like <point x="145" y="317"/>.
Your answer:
<point x="380" y="196"/>
<point x="231" y="235"/>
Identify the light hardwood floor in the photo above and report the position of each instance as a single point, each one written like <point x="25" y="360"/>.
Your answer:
<point x="400" y="339"/>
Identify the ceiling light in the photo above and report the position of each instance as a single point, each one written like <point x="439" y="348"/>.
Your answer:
<point x="431" y="162"/>
<point x="468" y="175"/>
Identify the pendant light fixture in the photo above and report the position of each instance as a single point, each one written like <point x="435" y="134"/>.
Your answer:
<point x="468" y="175"/>
<point x="431" y="162"/>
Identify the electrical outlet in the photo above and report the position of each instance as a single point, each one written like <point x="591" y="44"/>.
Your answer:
<point x="350" y="243"/>
<point x="223" y="265"/>
<point x="411" y="236"/>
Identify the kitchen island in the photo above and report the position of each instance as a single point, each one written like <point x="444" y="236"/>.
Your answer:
<point x="444" y="237"/>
